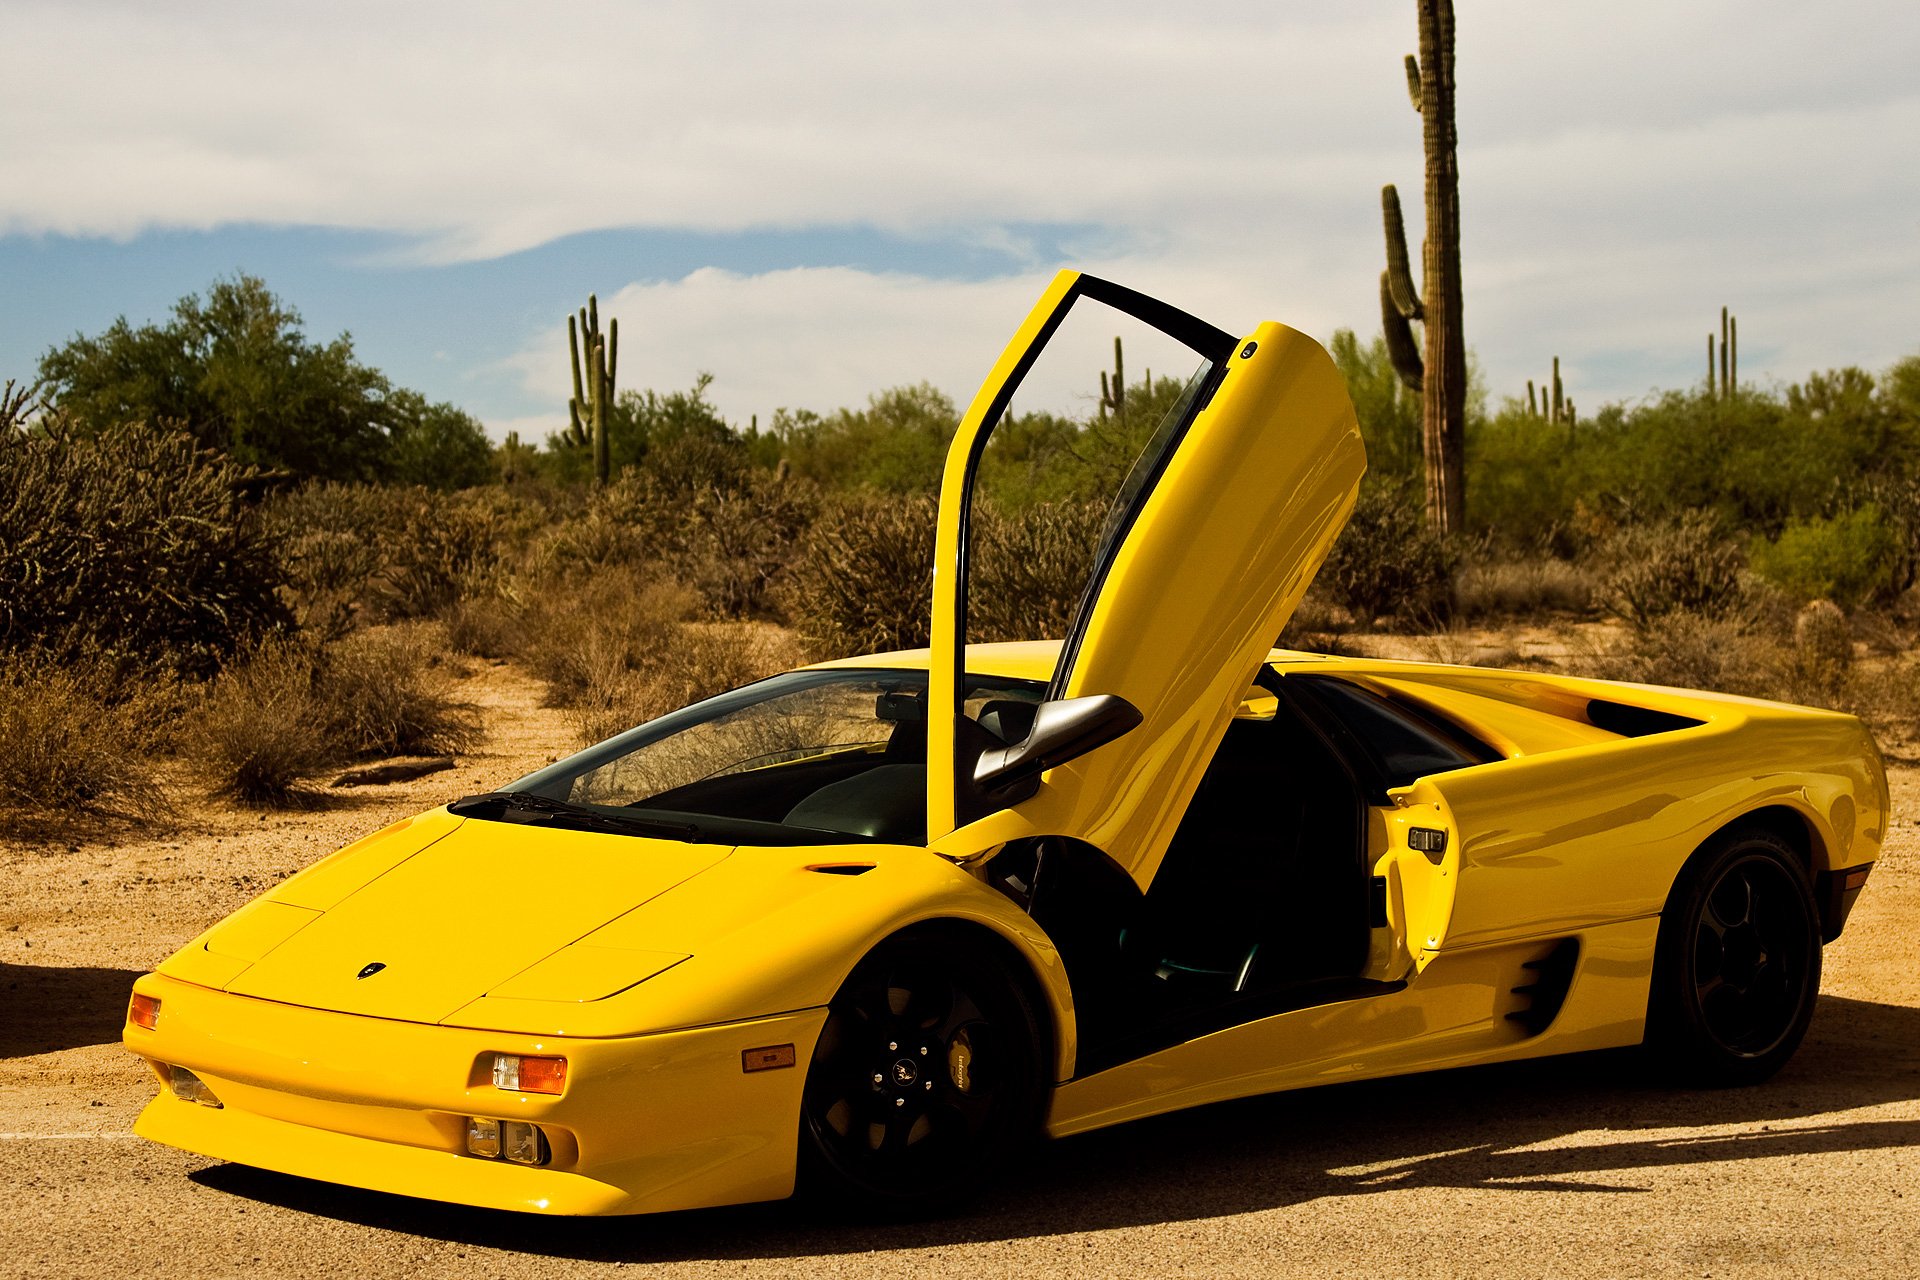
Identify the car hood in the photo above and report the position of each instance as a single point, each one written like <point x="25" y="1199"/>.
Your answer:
<point x="420" y="921"/>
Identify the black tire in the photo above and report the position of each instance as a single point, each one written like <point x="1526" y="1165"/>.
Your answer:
<point x="1737" y="967"/>
<point x="955" y="1042"/>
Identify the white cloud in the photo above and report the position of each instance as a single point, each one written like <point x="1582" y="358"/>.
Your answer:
<point x="1626" y="167"/>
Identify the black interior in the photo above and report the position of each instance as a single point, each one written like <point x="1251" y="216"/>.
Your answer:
<point x="1265" y="883"/>
<point x="1262" y="902"/>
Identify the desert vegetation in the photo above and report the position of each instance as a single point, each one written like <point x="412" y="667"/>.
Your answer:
<point x="199" y="597"/>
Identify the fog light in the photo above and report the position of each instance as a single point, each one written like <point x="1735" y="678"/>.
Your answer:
<point x="529" y="1075"/>
<point x="483" y="1137"/>
<point x="144" y="1012"/>
<point x="522" y="1143"/>
<point x="189" y="1087"/>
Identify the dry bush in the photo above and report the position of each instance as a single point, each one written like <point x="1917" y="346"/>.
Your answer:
<point x="586" y="635"/>
<point x="390" y="692"/>
<point x="1691" y="650"/>
<point x="1523" y="588"/>
<point x="1821" y="632"/>
<point x="446" y="544"/>
<point x="1386" y="563"/>
<point x="701" y="660"/>
<point x="863" y="581"/>
<point x="67" y="758"/>
<point x="334" y="534"/>
<point x="1887" y="697"/>
<point x="1030" y="568"/>
<point x="394" y="552"/>
<point x="1686" y="566"/>
<point x="730" y="546"/>
<point x="490" y="624"/>
<point x="263" y="728"/>
<point x="134" y="547"/>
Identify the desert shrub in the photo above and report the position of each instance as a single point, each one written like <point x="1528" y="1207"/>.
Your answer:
<point x="490" y="624"/>
<point x="263" y="728"/>
<point x="1694" y="650"/>
<point x="445" y="542"/>
<point x="1847" y="558"/>
<point x="395" y="553"/>
<point x="1386" y="562"/>
<point x="67" y="756"/>
<point x="700" y="660"/>
<point x="1887" y="696"/>
<point x="588" y="633"/>
<point x="334" y="535"/>
<point x="1030" y="568"/>
<point x="390" y="692"/>
<point x="1684" y="565"/>
<point x="863" y="580"/>
<point x="133" y="546"/>
<point x="1821" y="632"/>
<point x="1519" y="588"/>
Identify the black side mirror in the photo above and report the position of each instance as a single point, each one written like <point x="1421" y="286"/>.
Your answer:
<point x="1061" y="731"/>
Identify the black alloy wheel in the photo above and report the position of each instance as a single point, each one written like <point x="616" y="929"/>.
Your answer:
<point x="927" y="1074"/>
<point x="1737" y="970"/>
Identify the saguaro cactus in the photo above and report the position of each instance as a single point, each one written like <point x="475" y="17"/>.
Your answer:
<point x="1440" y="373"/>
<point x="1113" y="395"/>
<point x="592" y="385"/>
<point x="1729" y="358"/>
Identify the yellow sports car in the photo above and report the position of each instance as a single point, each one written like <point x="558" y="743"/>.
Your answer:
<point x="867" y="926"/>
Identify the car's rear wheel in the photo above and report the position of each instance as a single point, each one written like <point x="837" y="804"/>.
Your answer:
<point x="927" y="1074"/>
<point x="1737" y="968"/>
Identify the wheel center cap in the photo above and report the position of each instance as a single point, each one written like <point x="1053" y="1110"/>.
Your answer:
<point x="905" y="1072"/>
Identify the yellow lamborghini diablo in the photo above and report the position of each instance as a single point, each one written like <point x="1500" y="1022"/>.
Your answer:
<point x="867" y="926"/>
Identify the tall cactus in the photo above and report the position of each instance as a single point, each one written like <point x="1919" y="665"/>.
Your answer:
<point x="1729" y="380"/>
<point x="592" y="385"/>
<point x="1113" y="395"/>
<point x="1439" y="374"/>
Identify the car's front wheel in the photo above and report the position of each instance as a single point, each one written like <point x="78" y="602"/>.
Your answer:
<point x="927" y="1074"/>
<point x="1737" y="969"/>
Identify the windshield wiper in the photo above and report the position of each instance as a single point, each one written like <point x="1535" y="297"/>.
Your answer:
<point x="618" y="823"/>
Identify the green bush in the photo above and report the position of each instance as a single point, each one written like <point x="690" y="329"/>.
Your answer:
<point x="1848" y="558"/>
<point x="134" y="546"/>
<point x="1387" y="562"/>
<point x="1687" y="564"/>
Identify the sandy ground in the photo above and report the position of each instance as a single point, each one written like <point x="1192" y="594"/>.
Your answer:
<point x="1573" y="1166"/>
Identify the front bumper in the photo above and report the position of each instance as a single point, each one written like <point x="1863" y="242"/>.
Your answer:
<point x="647" y="1123"/>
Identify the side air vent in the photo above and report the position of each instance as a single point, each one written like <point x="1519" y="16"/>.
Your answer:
<point x="842" y="868"/>
<point x="1541" y="996"/>
<point x="1630" y="721"/>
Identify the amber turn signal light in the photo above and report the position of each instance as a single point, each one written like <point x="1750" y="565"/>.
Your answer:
<point x="144" y="1012"/>
<point x="519" y="1074"/>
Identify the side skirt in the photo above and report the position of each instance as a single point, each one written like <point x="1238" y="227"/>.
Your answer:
<point x="1452" y="1014"/>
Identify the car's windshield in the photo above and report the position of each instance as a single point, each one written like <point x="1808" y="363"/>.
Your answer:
<point x="835" y="753"/>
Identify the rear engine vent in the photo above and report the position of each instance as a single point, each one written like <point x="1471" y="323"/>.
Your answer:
<point x="1630" y="721"/>
<point x="1551" y="977"/>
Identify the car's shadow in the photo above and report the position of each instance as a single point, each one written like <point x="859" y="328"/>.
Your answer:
<point x="44" y="1008"/>
<point x="1471" y="1128"/>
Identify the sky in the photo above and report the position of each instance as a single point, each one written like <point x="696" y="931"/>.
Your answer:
<point x="816" y="201"/>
